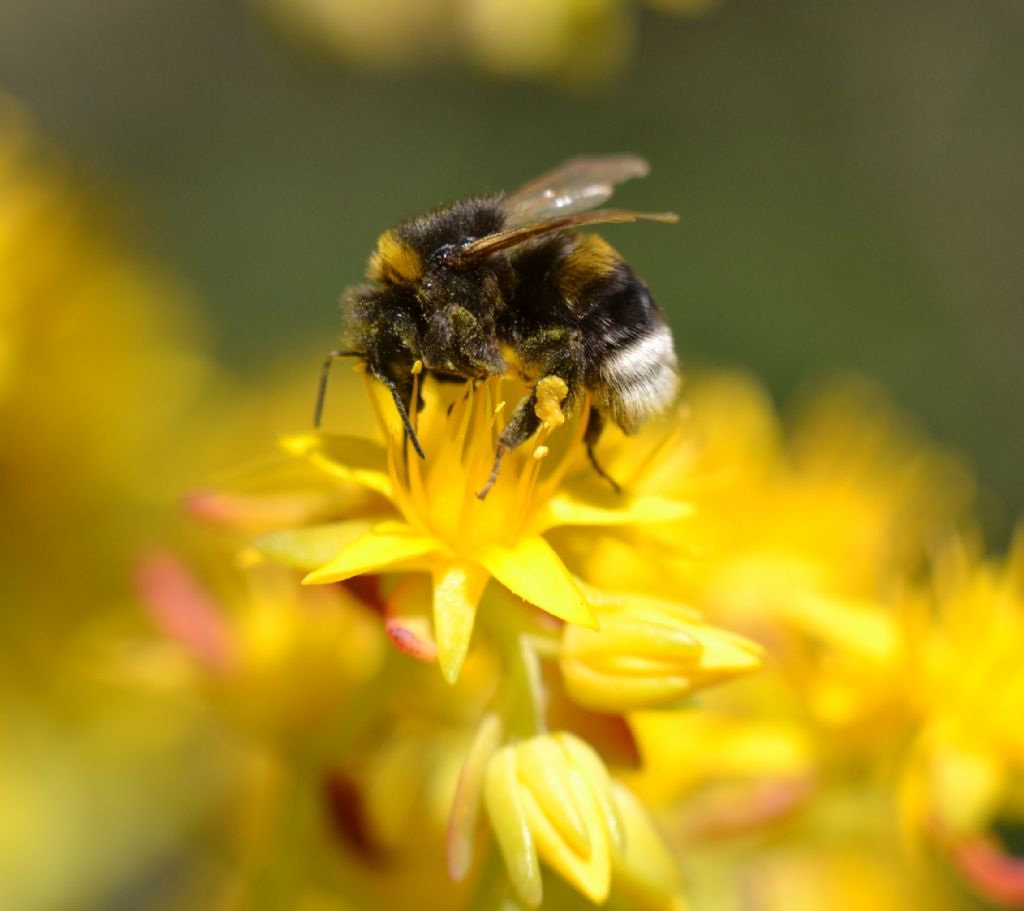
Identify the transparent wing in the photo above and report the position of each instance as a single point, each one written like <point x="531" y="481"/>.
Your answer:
<point x="468" y="255"/>
<point x="577" y="185"/>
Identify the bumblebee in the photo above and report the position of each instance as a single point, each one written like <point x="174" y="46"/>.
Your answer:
<point x="496" y="283"/>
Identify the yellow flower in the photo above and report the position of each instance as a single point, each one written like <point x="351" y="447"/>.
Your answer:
<point x="280" y="659"/>
<point x="648" y="653"/>
<point x="439" y="526"/>
<point x="572" y="42"/>
<point x="962" y="777"/>
<point x="343" y="756"/>
<point x="797" y="540"/>
<point x="732" y="764"/>
<point x="550" y="799"/>
<point x="98" y="368"/>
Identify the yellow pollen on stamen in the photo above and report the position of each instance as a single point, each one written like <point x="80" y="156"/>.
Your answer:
<point x="459" y="429"/>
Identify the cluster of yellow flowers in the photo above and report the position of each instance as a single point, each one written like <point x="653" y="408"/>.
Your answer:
<point x="778" y="671"/>
<point x="572" y="42"/>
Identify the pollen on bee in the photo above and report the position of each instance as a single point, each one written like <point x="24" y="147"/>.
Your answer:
<point x="540" y="452"/>
<point x="550" y="392"/>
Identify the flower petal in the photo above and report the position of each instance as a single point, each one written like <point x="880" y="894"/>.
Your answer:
<point x="407" y="618"/>
<point x="565" y="508"/>
<point x="862" y="627"/>
<point x="184" y="610"/>
<point x="993" y="871"/>
<point x="582" y="755"/>
<point x="353" y="459"/>
<point x="532" y="570"/>
<point x="544" y="769"/>
<point x="646" y="872"/>
<point x="504" y="800"/>
<point x="388" y="544"/>
<point x="589" y="872"/>
<point x="312" y="546"/>
<point x="457" y="591"/>
<point x="466" y="806"/>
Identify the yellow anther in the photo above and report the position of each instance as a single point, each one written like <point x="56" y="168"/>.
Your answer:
<point x="499" y="408"/>
<point x="417" y="368"/>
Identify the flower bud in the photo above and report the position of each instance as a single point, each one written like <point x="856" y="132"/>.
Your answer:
<point x="549" y="798"/>
<point x="649" y="653"/>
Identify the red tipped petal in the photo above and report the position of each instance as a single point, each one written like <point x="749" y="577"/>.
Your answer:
<point x="183" y="610"/>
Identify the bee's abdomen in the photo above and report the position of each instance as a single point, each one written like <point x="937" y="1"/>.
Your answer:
<point x="632" y="358"/>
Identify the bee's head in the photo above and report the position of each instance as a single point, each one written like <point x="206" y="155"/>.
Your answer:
<point x="454" y="309"/>
<point x="423" y="266"/>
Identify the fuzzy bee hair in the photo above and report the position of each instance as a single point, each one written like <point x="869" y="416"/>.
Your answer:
<point x="495" y="283"/>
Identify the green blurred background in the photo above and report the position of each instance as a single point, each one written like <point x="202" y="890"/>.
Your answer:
<point x="848" y="175"/>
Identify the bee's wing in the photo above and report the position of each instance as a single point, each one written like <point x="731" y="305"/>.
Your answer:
<point x="470" y="254"/>
<point x="577" y="185"/>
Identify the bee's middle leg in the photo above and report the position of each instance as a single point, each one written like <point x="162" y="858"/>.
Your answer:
<point x="522" y="425"/>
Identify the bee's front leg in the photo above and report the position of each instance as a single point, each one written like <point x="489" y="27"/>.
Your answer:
<point x="401" y="391"/>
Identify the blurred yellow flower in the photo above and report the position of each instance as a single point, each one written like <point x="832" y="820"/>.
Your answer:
<point x="962" y="781"/>
<point x="798" y="540"/>
<point x="99" y="371"/>
<point x="284" y="661"/>
<point x="569" y="42"/>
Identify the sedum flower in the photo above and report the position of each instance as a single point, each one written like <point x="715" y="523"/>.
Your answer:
<point x="437" y="525"/>
<point x="962" y="777"/>
<point x="283" y="660"/>
<point x="568" y="42"/>
<point x="648" y="653"/>
<point x="550" y="799"/>
<point x="798" y="539"/>
<point x="99" y="371"/>
<point x="342" y="765"/>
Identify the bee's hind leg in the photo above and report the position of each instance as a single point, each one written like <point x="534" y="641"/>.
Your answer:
<point x="522" y="425"/>
<point x="595" y="427"/>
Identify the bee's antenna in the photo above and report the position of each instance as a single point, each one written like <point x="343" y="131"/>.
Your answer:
<point x="321" y="392"/>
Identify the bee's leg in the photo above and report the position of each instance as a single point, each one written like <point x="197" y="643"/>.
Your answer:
<point x="403" y="412"/>
<point x="595" y="427"/>
<point x="523" y="424"/>
<point x="321" y="391"/>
